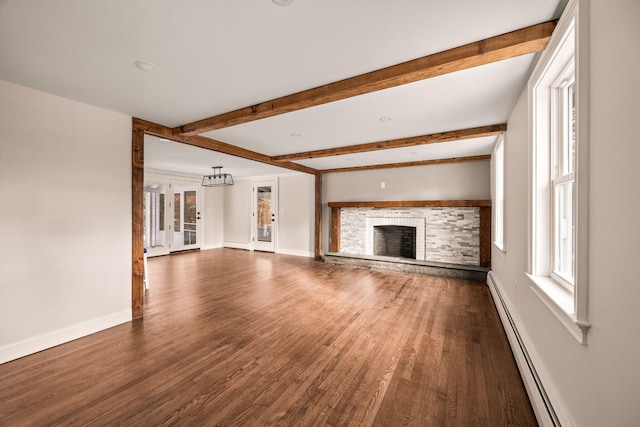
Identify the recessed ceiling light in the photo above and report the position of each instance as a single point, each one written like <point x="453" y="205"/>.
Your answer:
<point x="282" y="2"/>
<point x="385" y="119"/>
<point x="296" y="135"/>
<point x="146" y="66"/>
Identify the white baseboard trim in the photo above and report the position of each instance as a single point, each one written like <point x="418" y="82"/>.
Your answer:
<point x="237" y="245"/>
<point x="51" y="339"/>
<point x="215" y="246"/>
<point x="306" y="254"/>
<point x="542" y="395"/>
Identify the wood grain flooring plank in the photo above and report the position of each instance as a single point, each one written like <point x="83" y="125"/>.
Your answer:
<point x="403" y="406"/>
<point x="241" y="338"/>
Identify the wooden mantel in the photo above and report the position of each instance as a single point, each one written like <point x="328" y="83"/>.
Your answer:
<point x="485" y="218"/>
<point x="414" y="204"/>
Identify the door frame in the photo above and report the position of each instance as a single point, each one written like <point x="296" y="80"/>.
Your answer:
<point x="186" y="183"/>
<point x="257" y="245"/>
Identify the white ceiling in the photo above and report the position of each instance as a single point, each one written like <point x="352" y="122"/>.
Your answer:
<point x="161" y="155"/>
<point x="215" y="56"/>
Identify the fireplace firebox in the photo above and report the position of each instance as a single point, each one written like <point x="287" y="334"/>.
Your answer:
<point x="394" y="241"/>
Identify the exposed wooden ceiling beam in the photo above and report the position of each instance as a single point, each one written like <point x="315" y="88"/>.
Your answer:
<point x="455" y="135"/>
<point x="219" y="146"/>
<point x="516" y="43"/>
<point x="407" y="164"/>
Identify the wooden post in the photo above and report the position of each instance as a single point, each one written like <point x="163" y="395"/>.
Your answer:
<point x="485" y="237"/>
<point x="335" y="230"/>
<point x="318" y="229"/>
<point x="137" y="237"/>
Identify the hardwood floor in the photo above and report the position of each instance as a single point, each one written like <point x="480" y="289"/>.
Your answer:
<point x="238" y="338"/>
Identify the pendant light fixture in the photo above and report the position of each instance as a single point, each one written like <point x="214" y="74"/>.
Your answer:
<point x="218" y="179"/>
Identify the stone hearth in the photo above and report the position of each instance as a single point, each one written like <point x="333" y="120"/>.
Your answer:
<point x="404" y="265"/>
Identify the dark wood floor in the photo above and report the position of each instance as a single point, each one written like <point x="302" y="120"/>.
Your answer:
<point x="249" y="339"/>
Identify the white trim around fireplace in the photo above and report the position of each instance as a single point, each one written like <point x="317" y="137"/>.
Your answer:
<point x="418" y="223"/>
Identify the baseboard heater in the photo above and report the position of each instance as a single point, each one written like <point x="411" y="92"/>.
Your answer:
<point x="521" y="348"/>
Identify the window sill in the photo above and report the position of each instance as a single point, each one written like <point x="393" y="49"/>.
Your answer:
<point x="502" y="252"/>
<point x="561" y="303"/>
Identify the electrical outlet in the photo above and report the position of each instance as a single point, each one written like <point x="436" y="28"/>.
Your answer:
<point x="383" y="184"/>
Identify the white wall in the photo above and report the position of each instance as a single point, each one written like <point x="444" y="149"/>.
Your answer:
<point x="65" y="186"/>
<point x="213" y="217"/>
<point x="468" y="180"/>
<point x="455" y="181"/>
<point x="237" y="214"/>
<point x="296" y="221"/>
<point x="598" y="384"/>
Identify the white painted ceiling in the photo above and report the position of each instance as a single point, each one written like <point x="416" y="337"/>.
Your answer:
<point x="215" y="56"/>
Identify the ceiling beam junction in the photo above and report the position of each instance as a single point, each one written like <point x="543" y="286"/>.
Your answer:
<point x="161" y="131"/>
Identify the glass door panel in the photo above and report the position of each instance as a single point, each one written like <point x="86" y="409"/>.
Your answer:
<point x="185" y="216"/>
<point x="190" y="224"/>
<point x="264" y="214"/>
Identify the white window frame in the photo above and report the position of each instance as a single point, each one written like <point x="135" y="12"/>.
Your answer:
<point x="561" y="174"/>
<point x="499" y="196"/>
<point x="566" y="299"/>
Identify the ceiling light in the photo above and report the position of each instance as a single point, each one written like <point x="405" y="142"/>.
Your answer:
<point x="146" y="66"/>
<point x="218" y="179"/>
<point x="385" y="119"/>
<point x="282" y="2"/>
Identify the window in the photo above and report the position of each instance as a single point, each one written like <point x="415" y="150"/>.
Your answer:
<point x="563" y="148"/>
<point x="559" y="161"/>
<point x="498" y="195"/>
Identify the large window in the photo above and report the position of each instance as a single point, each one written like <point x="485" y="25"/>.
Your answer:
<point x="563" y="155"/>
<point x="559" y="161"/>
<point x="498" y="195"/>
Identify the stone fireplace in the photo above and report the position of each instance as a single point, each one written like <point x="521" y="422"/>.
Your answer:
<point x="448" y="238"/>
<point x="442" y="234"/>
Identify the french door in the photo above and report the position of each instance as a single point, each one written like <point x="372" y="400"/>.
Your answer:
<point x="264" y="215"/>
<point x="171" y="215"/>
<point x="184" y="204"/>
